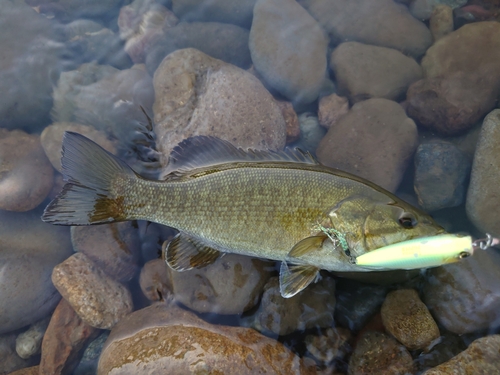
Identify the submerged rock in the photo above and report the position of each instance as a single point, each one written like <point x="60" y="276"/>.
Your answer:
<point x="29" y="342"/>
<point x="331" y="109"/>
<point x="10" y="360"/>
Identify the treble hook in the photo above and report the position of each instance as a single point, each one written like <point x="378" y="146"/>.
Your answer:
<point x="485" y="243"/>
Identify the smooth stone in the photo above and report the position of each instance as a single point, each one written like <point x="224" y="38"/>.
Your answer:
<point x="481" y="357"/>
<point x="378" y="22"/>
<point x="90" y="358"/>
<point x="99" y="300"/>
<point x="64" y="342"/>
<point x="33" y="370"/>
<point x="441" y="171"/>
<point x="363" y="71"/>
<point x="310" y="308"/>
<point x="331" y="345"/>
<point x="311" y="132"/>
<point x="449" y="346"/>
<point x="291" y="121"/>
<point x="29" y="250"/>
<point x="163" y="338"/>
<point x="283" y="31"/>
<point x="52" y="136"/>
<point x="154" y="280"/>
<point x="228" y="43"/>
<point x="29" y="342"/>
<point x="441" y="21"/>
<point x="407" y="319"/>
<point x="483" y="200"/>
<point x="464" y="297"/>
<point x="377" y="353"/>
<point x="10" y="361"/>
<point x="423" y="9"/>
<point x="374" y="140"/>
<point x="199" y="95"/>
<point x="226" y="11"/>
<point x="331" y="108"/>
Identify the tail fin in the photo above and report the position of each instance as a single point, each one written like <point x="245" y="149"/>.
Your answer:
<point x="89" y="171"/>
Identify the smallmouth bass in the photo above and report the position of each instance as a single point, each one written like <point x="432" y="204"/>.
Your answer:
<point x="280" y="205"/>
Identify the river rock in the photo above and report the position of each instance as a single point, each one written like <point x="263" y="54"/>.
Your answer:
<point x="331" y="108"/>
<point x="29" y="249"/>
<point x="163" y="338"/>
<point x="199" y="95"/>
<point x="29" y="342"/>
<point x="377" y="353"/>
<point x="67" y="10"/>
<point x="374" y="140"/>
<point x="26" y="176"/>
<point x="90" y="359"/>
<point x="52" y="136"/>
<point x="481" y="357"/>
<point x="464" y="297"/>
<point x="331" y="345"/>
<point x="228" y="43"/>
<point x="482" y="197"/>
<point x="441" y="22"/>
<point x="449" y="346"/>
<point x="63" y="343"/>
<point x="99" y="300"/>
<point x="379" y="22"/>
<point x="155" y="280"/>
<point x="311" y="132"/>
<point x="291" y="121"/>
<point x="307" y="309"/>
<point x="422" y="9"/>
<point x="283" y="31"/>
<point x="33" y="370"/>
<point x="441" y="170"/>
<point x="406" y="318"/>
<point x="10" y="360"/>
<point x="363" y="71"/>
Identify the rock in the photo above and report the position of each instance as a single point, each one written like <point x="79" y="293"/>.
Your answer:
<point x="231" y="285"/>
<point x="67" y="10"/>
<point x="481" y="357"/>
<point x="163" y="338"/>
<point x="26" y="175"/>
<point x="441" y="22"/>
<point x="226" y="11"/>
<point x="406" y="318"/>
<point x="482" y="197"/>
<point x="374" y="140"/>
<point x="331" y="109"/>
<point x="52" y="135"/>
<point x="448" y="347"/>
<point x="308" y="309"/>
<point x="378" y="22"/>
<point x="280" y="29"/>
<point x="28" y="247"/>
<point x="63" y="343"/>
<point x="29" y="342"/>
<point x="291" y="121"/>
<point x="441" y="170"/>
<point x="464" y="297"/>
<point x="155" y="280"/>
<point x="98" y="300"/>
<point x="90" y="359"/>
<point x="112" y="247"/>
<point x="228" y="43"/>
<point x="33" y="370"/>
<point x="330" y="346"/>
<point x="423" y="9"/>
<point x="199" y="95"/>
<point x="10" y="360"/>
<point x="31" y="58"/>
<point x="311" y="132"/>
<point x="377" y="353"/>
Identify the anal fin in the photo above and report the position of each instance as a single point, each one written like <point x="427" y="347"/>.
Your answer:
<point x="295" y="278"/>
<point x="183" y="253"/>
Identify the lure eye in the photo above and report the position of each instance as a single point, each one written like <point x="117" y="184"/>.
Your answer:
<point x="463" y="255"/>
<point x="407" y="220"/>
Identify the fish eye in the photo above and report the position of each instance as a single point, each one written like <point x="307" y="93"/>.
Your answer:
<point x="463" y="255"/>
<point x="407" y="220"/>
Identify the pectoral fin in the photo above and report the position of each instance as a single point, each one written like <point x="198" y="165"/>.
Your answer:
<point x="183" y="253"/>
<point x="306" y="246"/>
<point x="295" y="278"/>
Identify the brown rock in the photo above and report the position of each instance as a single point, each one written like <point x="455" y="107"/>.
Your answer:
<point x="26" y="175"/>
<point x="331" y="345"/>
<point x="291" y="121"/>
<point x="374" y="140"/>
<point x="64" y="341"/>
<point x="33" y="370"/>
<point x="99" y="300"/>
<point x="331" y="109"/>
<point x="441" y="22"/>
<point x="155" y="280"/>
<point x="406" y="318"/>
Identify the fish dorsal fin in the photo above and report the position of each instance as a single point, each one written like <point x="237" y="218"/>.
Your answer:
<point x="295" y="278"/>
<point x="203" y="151"/>
<point x="183" y="253"/>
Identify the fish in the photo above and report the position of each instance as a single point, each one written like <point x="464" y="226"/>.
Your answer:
<point x="278" y="205"/>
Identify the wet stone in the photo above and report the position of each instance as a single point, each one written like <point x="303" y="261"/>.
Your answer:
<point x="99" y="300"/>
<point x="449" y="346"/>
<point x="441" y="22"/>
<point x="331" y="109"/>
<point x="33" y="370"/>
<point x="90" y="359"/>
<point x="29" y="342"/>
<point x="311" y="132"/>
<point x="291" y="121"/>
<point x="423" y="9"/>
<point x="406" y="318"/>
<point x="10" y="361"/>
<point x="331" y="345"/>
<point x="155" y="280"/>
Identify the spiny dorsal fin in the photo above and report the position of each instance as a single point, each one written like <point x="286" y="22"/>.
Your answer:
<point x="202" y="151"/>
<point x="183" y="253"/>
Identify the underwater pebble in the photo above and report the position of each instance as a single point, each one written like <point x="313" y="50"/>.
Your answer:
<point x="199" y="95"/>
<point x="163" y="338"/>
<point x="280" y="28"/>
<point x="155" y="280"/>
<point x="377" y="353"/>
<point x="364" y="71"/>
<point x="331" y="345"/>
<point x="29" y="249"/>
<point x="26" y="175"/>
<point x="441" y="170"/>
<point x="10" y="361"/>
<point x="99" y="300"/>
<point x="310" y="308"/>
<point x="88" y="363"/>
<point x="311" y="132"/>
<point x="407" y="319"/>
<point x="66" y="336"/>
<point x="331" y="109"/>
<point x="291" y="121"/>
<point x="483" y="200"/>
<point x="374" y="140"/>
<point x="481" y="357"/>
<point x="378" y="22"/>
<point x="441" y="22"/>
<point x="29" y="342"/>
<point x="423" y="9"/>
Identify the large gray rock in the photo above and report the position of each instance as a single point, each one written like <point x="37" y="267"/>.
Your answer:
<point x="29" y="250"/>
<point x="288" y="49"/>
